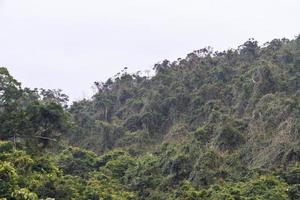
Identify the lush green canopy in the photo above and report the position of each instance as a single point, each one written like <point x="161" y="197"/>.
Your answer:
<point x="212" y="126"/>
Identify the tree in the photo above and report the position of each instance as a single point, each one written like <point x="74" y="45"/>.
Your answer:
<point x="27" y="115"/>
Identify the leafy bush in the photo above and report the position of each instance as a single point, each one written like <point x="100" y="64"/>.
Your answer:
<point x="229" y="138"/>
<point x="8" y="179"/>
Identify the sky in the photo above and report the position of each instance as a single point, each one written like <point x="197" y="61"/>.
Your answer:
<point x="69" y="44"/>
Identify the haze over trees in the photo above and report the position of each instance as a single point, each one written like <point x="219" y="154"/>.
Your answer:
<point x="214" y="125"/>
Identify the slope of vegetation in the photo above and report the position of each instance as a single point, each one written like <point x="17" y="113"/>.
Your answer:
<point x="215" y="125"/>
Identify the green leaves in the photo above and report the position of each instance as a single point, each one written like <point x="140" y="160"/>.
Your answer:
<point x="78" y="162"/>
<point x="10" y="89"/>
<point x="47" y="121"/>
<point x="193" y="131"/>
<point x="229" y="138"/>
<point x="29" y="115"/>
<point x="8" y="179"/>
<point x="24" y="194"/>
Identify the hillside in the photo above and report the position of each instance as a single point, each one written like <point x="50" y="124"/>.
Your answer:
<point x="214" y="125"/>
<point x="243" y="101"/>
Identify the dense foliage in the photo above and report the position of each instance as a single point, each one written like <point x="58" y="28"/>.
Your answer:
<point x="215" y="125"/>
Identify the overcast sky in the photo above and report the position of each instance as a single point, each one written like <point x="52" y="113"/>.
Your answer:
<point x="69" y="44"/>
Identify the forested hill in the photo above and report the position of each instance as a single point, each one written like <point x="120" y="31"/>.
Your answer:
<point x="214" y="125"/>
<point x="243" y="101"/>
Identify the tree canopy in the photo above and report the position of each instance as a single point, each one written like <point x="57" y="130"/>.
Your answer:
<point x="214" y="125"/>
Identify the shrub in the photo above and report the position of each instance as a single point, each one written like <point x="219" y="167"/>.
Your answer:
<point x="229" y="138"/>
<point x="24" y="194"/>
<point x="202" y="135"/>
<point x="292" y="175"/>
<point x="8" y="179"/>
<point x="6" y="146"/>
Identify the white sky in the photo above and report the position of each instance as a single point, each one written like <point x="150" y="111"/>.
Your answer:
<point x="69" y="44"/>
